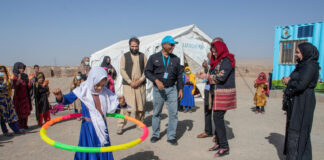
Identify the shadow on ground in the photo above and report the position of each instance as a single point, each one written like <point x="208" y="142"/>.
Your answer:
<point x="277" y="140"/>
<point x="147" y="155"/>
<point x="229" y="131"/>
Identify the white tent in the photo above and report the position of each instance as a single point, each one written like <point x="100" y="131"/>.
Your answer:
<point x="192" y="49"/>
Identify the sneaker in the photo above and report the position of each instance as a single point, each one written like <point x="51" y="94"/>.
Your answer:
<point x="173" y="142"/>
<point x="120" y="131"/>
<point x="154" y="139"/>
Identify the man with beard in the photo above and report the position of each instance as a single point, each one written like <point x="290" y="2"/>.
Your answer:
<point x="132" y="65"/>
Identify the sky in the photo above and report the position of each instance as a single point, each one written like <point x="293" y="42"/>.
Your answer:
<point x="61" y="32"/>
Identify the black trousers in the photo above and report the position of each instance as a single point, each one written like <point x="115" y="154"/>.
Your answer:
<point x="208" y="114"/>
<point x="220" y="128"/>
<point x="258" y="108"/>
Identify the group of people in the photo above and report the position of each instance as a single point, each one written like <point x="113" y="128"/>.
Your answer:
<point x="92" y="94"/>
<point x="27" y="88"/>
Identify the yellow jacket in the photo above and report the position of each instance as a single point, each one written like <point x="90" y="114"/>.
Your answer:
<point x="192" y="79"/>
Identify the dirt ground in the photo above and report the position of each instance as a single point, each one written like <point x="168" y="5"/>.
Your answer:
<point x="251" y="136"/>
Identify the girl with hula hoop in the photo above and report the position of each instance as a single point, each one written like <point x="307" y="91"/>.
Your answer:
<point x="96" y="101"/>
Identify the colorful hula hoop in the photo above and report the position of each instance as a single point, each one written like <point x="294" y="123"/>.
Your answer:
<point x="92" y="149"/>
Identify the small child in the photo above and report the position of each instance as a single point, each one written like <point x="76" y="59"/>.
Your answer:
<point x="77" y="80"/>
<point x="262" y="90"/>
<point x="41" y="99"/>
<point x="188" y="99"/>
<point x="110" y="84"/>
<point x="96" y="101"/>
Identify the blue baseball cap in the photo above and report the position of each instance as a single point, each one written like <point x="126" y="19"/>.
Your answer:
<point x="169" y="39"/>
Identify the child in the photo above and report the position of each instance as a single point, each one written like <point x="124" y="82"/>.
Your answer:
<point x="77" y="80"/>
<point x="21" y="98"/>
<point x="41" y="99"/>
<point x="7" y="111"/>
<point x="188" y="99"/>
<point x="262" y="90"/>
<point x="96" y="101"/>
<point x="110" y="84"/>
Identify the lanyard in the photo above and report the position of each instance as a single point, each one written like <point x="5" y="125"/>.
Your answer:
<point x="167" y="62"/>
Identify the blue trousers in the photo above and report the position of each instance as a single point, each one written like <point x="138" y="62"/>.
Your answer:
<point x="170" y="96"/>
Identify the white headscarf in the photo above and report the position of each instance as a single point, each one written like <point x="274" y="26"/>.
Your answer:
<point x="108" y="101"/>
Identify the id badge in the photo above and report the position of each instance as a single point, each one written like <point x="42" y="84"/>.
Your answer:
<point x="165" y="76"/>
<point x="207" y="87"/>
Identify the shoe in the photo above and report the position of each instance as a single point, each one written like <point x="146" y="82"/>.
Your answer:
<point x="204" y="135"/>
<point x="154" y="139"/>
<point x="20" y="132"/>
<point x="222" y="152"/>
<point x="256" y="112"/>
<point x="184" y="111"/>
<point x="190" y="111"/>
<point x="214" y="148"/>
<point x="120" y="131"/>
<point x="173" y="142"/>
<point x="262" y="112"/>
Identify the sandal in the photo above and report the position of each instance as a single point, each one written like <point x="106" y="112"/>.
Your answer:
<point x="214" y="148"/>
<point x="20" y="132"/>
<point x="204" y="135"/>
<point x="8" y="134"/>
<point x="222" y="152"/>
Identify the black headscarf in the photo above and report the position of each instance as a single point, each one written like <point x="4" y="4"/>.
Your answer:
<point x="105" y="63"/>
<point x="108" y="65"/>
<point x="16" y="68"/>
<point x="309" y="52"/>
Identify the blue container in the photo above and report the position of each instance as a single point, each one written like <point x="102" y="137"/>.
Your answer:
<point x="286" y="40"/>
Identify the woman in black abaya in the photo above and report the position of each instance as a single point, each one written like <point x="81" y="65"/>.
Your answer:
<point x="299" y="103"/>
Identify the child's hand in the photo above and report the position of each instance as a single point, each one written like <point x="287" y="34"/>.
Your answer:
<point x="46" y="82"/>
<point x="58" y="94"/>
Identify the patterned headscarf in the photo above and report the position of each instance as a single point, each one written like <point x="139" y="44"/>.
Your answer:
<point x="9" y="89"/>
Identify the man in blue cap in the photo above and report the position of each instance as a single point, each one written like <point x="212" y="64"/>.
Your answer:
<point x="163" y="69"/>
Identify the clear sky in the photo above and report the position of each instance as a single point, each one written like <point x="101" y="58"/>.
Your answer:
<point x="61" y="32"/>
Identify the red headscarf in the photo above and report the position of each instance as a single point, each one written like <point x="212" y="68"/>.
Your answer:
<point x="263" y="81"/>
<point x="222" y="52"/>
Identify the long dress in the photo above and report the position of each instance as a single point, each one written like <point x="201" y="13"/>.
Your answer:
<point x="7" y="112"/>
<point x="260" y="98"/>
<point x="88" y="136"/>
<point x="42" y="104"/>
<point x="300" y="108"/>
<point x="22" y="101"/>
<point x="188" y="98"/>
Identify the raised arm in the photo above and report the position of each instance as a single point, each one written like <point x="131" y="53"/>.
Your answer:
<point x="64" y="99"/>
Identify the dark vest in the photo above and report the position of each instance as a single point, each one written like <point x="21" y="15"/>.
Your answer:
<point x="129" y="65"/>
